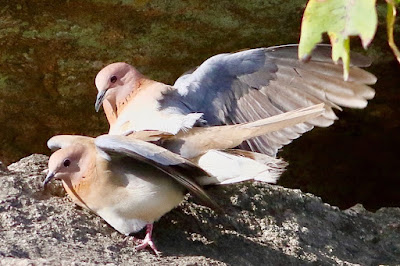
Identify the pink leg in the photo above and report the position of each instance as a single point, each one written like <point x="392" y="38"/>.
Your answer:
<point x="147" y="241"/>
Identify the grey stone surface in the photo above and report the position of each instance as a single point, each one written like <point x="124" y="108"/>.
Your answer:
<point x="262" y="225"/>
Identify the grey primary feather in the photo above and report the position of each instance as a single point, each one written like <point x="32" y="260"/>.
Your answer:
<point x="258" y="83"/>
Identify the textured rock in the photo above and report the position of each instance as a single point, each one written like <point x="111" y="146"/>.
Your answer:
<point x="262" y="225"/>
<point x="3" y="168"/>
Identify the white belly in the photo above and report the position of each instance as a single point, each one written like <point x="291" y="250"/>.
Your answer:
<point x="142" y="199"/>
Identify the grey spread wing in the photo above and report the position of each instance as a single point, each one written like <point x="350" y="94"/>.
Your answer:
<point x="180" y="169"/>
<point x="259" y="83"/>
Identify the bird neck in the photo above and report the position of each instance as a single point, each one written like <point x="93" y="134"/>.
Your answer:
<point x="128" y="93"/>
<point x="80" y="184"/>
<point x="125" y="96"/>
<point x="77" y="190"/>
<point x="117" y="99"/>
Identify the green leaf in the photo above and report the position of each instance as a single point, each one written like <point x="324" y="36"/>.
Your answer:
<point x="340" y="19"/>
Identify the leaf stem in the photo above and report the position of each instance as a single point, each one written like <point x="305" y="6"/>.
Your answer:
<point x="390" y="18"/>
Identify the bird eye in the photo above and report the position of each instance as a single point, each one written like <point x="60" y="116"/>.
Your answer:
<point x="113" y="79"/>
<point x="67" y="162"/>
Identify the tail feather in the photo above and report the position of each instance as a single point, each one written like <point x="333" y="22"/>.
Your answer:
<point x="283" y="120"/>
<point x="199" y="140"/>
<point x="233" y="166"/>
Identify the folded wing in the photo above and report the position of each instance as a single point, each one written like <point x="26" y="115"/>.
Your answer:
<point x="178" y="168"/>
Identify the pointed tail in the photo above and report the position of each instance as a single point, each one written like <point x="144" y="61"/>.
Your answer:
<point x="199" y="140"/>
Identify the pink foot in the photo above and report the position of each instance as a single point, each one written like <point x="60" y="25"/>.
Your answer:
<point x="147" y="241"/>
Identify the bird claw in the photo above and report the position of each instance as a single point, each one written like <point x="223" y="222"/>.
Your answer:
<point x="147" y="241"/>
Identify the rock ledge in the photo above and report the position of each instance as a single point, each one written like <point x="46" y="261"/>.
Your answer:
<point x="263" y="225"/>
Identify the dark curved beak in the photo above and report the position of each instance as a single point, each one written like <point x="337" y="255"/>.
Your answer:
<point x="48" y="178"/>
<point x="99" y="100"/>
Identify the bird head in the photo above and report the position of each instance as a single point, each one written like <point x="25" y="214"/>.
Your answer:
<point x="114" y="81"/>
<point x="65" y="164"/>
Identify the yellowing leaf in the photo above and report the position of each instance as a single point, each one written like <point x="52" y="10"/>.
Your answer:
<point x="340" y="19"/>
<point x="390" y="18"/>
